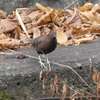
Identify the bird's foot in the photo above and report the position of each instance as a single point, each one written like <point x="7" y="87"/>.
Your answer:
<point x="48" y="62"/>
<point x="42" y="64"/>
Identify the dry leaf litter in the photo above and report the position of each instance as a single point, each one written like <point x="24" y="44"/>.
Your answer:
<point x="79" y="25"/>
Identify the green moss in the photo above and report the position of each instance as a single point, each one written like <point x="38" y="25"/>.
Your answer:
<point x="87" y="89"/>
<point x="24" y="95"/>
<point x="5" y="96"/>
<point x="87" y="0"/>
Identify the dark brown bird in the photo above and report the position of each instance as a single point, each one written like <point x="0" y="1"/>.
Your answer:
<point x="43" y="45"/>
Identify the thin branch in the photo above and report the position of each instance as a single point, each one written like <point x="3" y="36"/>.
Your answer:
<point x="21" y="22"/>
<point x="74" y="72"/>
<point x="80" y="90"/>
<point x="58" y="64"/>
<point x="64" y="9"/>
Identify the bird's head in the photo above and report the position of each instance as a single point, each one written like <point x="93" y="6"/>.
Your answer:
<point x="52" y="34"/>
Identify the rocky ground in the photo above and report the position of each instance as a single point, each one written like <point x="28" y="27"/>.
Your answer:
<point x="19" y="70"/>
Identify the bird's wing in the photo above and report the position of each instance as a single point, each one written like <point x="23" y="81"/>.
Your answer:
<point x="41" y="40"/>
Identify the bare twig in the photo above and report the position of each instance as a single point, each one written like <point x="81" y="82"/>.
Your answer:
<point x="58" y="64"/>
<point x="64" y="9"/>
<point x="21" y="22"/>
<point x="73" y="71"/>
<point x="80" y="90"/>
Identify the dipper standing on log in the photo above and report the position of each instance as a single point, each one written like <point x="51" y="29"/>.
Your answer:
<point x="43" y="45"/>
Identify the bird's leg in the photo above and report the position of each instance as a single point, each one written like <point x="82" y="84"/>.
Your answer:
<point x="41" y="63"/>
<point x="47" y="61"/>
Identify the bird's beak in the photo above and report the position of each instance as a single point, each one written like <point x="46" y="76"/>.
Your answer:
<point x="29" y="39"/>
